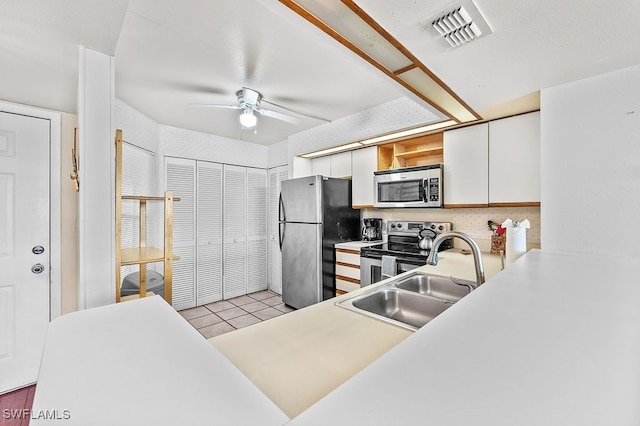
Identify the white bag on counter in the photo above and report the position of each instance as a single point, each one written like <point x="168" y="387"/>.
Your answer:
<point x="516" y="241"/>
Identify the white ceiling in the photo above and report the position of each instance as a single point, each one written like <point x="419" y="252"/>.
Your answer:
<point x="169" y="54"/>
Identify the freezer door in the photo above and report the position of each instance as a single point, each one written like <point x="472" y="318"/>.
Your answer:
<point x="300" y="200"/>
<point x="301" y="260"/>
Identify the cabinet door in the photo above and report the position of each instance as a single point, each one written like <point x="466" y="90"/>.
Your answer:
<point x="341" y="165"/>
<point x="209" y="232"/>
<point x="514" y="159"/>
<point x="235" y="231"/>
<point x="276" y="175"/>
<point x="321" y="166"/>
<point x="180" y="175"/>
<point x="466" y="160"/>
<point x="256" y="230"/>
<point x="364" y="163"/>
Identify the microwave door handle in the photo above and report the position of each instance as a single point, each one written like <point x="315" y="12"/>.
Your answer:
<point x="425" y="190"/>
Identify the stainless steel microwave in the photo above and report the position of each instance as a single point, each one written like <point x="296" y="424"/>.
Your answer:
<point x="409" y="187"/>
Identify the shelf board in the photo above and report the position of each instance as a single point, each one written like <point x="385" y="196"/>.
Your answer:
<point x="145" y="198"/>
<point x="138" y="255"/>
<point x="419" y="153"/>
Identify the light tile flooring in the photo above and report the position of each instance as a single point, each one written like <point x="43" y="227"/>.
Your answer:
<point x="221" y="317"/>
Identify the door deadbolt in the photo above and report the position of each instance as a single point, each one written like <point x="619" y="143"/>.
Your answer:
<point x="38" y="250"/>
<point x="38" y="268"/>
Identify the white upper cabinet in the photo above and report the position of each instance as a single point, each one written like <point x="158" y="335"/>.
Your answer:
<point x="336" y="165"/>
<point x="466" y="161"/>
<point x="514" y="159"/>
<point x="341" y="165"/>
<point x="321" y="166"/>
<point x="363" y="165"/>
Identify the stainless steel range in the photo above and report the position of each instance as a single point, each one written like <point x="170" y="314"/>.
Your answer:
<point x="402" y="249"/>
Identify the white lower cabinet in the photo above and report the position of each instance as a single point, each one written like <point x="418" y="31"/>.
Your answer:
<point x="274" y="278"/>
<point x="219" y="226"/>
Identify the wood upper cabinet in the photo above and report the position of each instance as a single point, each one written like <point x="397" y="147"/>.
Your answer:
<point x="514" y="160"/>
<point x="363" y="165"/>
<point x="466" y="162"/>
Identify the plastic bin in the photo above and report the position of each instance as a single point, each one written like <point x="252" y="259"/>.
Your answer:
<point x="131" y="284"/>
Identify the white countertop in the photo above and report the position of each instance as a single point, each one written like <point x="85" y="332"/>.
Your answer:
<point x="552" y="340"/>
<point x="140" y="363"/>
<point x="357" y="245"/>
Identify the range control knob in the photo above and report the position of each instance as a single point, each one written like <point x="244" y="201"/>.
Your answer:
<point x="440" y="228"/>
<point x="399" y="226"/>
<point x="433" y="226"/>
<point x="393" y="225"/>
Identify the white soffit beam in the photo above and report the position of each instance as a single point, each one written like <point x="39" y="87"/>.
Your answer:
<point x="347" y="23"/>
<point x="424" y="84"/>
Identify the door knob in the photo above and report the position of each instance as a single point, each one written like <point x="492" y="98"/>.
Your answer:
<point x="38" y="250"/>
<point x="38" y="268"/>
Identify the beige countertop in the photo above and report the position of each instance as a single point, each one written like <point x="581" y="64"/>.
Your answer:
<point x="299" y="358"/>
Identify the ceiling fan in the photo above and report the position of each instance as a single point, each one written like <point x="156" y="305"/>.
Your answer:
<point x="249" y="102"/>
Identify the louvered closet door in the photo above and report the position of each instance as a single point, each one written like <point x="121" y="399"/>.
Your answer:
<point x="181" y="179"/>
<point x="256" y="230"/>
<point x="276" y="175"/>
<point x="209" y="233"/>
<point x="235" y="243"/>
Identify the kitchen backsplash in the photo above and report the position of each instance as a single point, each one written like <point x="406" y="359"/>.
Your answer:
<point x="469" y="220"/>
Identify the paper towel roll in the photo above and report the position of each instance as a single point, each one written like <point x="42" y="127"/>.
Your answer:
<point x="516" y="244"/>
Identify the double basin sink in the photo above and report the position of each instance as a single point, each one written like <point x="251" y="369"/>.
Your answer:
<point x="410" y="301"/>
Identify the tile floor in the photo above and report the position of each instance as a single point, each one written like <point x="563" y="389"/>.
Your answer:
<point x="221" y="317"/>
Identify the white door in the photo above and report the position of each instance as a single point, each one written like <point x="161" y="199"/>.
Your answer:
<point x="276" y="176"/>
<point x="209" y="233"/>
<point x="180" y="175"/>
<point x="24" y="247"/>
<point x="235" y="231"/>
<point x="256" y="230"/>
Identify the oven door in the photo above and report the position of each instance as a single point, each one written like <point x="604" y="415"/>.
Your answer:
<point x="371" y="268"/>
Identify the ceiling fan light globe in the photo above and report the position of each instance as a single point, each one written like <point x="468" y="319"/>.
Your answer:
<point x="248" y="120"/>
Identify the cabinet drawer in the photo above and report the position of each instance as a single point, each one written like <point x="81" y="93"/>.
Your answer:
<point x="352" y="257"/>
<point x="346" y="285"/>
<point x="348" y="271"/>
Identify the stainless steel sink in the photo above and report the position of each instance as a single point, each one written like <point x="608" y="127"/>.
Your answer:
<point x="410" y="301"/>
<point x="438" y="286"/>
<point x="403" y="306"/>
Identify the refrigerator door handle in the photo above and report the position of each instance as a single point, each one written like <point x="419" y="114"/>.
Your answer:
<point x="281" y="215"/>
<point x="280" y="234"/>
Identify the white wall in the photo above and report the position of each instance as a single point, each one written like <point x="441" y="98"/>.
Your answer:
<point x="96" y="225"/>
<point x="278" y="154"/>
<point x="590" y="159"/>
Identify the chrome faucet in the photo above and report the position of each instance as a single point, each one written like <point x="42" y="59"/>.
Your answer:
<point x="477" y="257"/>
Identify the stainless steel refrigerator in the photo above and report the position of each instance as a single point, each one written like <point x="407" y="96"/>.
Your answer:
<point x="314" y="214"/>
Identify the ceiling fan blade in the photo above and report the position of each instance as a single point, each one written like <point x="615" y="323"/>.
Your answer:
<point x="279" y="116"/>
<point x="293" y="111"/>
<point x="217" y="106"/>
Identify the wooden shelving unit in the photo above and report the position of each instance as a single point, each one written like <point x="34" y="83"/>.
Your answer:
<point x="418" y="151"/>
<point x="143" y="254"/>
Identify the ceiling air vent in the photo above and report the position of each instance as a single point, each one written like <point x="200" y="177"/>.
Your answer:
<point x="461" y="24"/>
